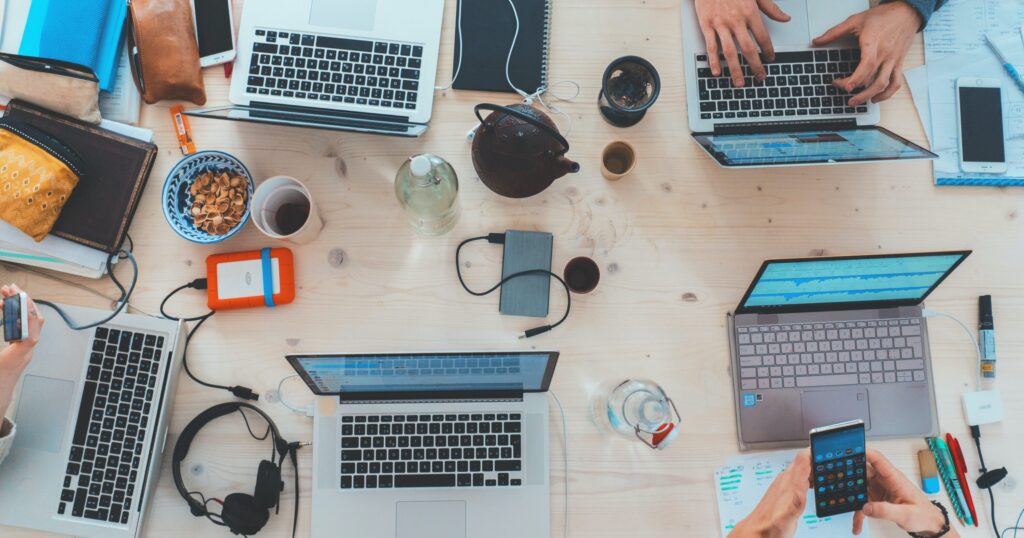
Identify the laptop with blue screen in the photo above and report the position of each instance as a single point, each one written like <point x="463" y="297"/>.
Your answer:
<point x="422" y="445"/>
<point x="817" y="341"/>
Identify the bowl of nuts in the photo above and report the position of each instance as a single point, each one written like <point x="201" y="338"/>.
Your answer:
<point x="206" y="197"/>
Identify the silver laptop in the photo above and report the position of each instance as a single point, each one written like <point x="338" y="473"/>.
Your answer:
<point x="445" y="445"/>
<point x="795" y="116"/>
<point x="818" y="341"/>
<point x="92" y="420"/>
<point x="354" y="65"/>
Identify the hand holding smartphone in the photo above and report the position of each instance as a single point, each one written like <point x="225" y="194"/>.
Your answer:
<point x="979" y="113"/>
<point x="839" y="468"/>
<point x="16" y="317"/>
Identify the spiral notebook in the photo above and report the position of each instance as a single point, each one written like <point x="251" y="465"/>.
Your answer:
<point x="488" y="27"/>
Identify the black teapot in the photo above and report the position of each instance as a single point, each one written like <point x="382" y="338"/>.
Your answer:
<point x="518" y="151"/>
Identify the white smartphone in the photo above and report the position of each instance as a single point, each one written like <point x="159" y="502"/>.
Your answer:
<point x="979" y="114"/>
<point x="215" y="31"/>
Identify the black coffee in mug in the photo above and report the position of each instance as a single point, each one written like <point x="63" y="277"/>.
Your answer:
<point x="291" y="217"/>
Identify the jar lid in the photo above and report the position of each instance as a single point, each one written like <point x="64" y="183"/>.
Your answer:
<point x="420" y="166"/>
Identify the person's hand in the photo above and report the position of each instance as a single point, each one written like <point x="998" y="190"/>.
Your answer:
<point x="893" y="497"/>
<point x="777" y="514"/>
<point x="17" y="355"/>
<point x="885" y="33"/>
<point x="732" y="22"/>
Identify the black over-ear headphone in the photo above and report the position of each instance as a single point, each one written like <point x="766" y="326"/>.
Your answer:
<point x="241" y="513"/>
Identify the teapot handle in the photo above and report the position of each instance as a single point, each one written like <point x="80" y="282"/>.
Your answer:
<point x="525" y="117"/>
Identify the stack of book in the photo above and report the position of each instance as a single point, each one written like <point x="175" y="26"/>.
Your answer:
<point x="94" y="223"/>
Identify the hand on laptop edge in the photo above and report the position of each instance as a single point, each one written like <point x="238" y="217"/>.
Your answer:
<point x="737" y="23"/>
<point x="885" y="33"/>
<point x="16" y="356"/>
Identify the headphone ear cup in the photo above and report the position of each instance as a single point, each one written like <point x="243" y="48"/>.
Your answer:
<point x="268" y="484"/>
<point x="242" y="514"/>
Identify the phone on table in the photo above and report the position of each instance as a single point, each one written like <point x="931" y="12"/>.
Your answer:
<point x="839" y="468"/>
<point x="15" y="317"/>
<point x="214" y="31"/>
<point x="979" y="113"/>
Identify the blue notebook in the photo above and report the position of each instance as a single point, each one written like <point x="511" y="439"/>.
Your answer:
<point x="86" y="32"/>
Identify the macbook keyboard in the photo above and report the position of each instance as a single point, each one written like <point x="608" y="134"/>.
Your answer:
<point x="112" y="426"/>
<point x="431" y="451"/>
<point x="797" y="84"/>
<point x="821" y="354"/>
<point x="335" y="69"/>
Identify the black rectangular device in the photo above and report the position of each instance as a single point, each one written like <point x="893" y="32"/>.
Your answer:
<point x="839" y="468"/>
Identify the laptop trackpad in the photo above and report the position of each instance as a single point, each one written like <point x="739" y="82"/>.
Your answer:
<point x="43" y="409"/>
<point x="357" y="15"/>
<point x="431" y="520"/>
<point x="827" y="407"/>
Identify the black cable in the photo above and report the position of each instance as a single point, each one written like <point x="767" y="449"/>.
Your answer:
<point x="987" y="480"/>
<point x="499" y="239"/>
<point x="200" y="284"/>
<point x="122" y="300"/>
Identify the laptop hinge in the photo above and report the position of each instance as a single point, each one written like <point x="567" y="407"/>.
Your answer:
<point x="431" y="397"/>
<point x="310" y="111"/>
<point x="784" y="126"/>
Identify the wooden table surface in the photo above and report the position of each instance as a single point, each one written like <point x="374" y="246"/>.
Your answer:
<point x="677" y="242"/>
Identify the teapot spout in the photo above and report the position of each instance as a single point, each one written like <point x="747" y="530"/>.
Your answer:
<point x="568" y="166"/>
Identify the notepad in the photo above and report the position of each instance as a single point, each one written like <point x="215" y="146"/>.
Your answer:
<point x="487" y="28"/>
<point x="743" y="480"/>
<point x="86" y="32"/>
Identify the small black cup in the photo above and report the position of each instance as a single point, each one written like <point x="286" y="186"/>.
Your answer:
<point x="630" y="86"/>
<point x="582" y="275"/>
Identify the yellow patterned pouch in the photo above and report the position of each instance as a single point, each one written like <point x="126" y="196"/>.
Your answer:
<point x="37" y="175"/>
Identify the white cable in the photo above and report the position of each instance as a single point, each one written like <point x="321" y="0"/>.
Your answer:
<point x="928" y="313"/>
<point x="280" y="396"/>
<point x="565" y="453"/>
<point x="458" y="65"/>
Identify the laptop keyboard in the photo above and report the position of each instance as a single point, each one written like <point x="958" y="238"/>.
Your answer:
<point x="431" y="451"/>
<point x="335" y="69"/>
<point x="112" y="426"/>
<point x="821" y="354"/>
<point x="797" y="84"/>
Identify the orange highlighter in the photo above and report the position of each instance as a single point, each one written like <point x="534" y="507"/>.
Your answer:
<point x="250" y="279"/>
<point x="961" y="473"/>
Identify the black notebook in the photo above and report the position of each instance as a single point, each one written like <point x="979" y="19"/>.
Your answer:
<point x="487" y="30"/>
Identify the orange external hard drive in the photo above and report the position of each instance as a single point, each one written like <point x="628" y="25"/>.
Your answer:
<point x="250" y="279"/>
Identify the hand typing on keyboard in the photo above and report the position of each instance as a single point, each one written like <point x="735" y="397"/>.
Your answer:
<point x="733" y="22"/>
<point x="885" y="33"/>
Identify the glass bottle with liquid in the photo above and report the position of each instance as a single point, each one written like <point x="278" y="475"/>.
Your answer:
<point x="427" y="188"/>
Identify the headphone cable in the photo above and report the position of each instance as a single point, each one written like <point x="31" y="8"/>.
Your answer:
<point x="499" y="239"/>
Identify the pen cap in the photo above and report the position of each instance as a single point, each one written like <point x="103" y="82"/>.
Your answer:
<point x="929" y="472"/>
<point x="985" y="311"/>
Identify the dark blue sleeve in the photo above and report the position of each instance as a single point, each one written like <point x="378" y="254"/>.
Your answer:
<point x="925" y="8"/>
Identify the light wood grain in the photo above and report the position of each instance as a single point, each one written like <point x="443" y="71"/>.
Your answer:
<point x="677" y="241"/>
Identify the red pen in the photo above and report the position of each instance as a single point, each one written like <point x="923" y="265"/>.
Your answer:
<point x="961" y="472"/>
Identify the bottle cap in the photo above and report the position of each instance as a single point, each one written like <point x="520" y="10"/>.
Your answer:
<point x="420" y="166"/>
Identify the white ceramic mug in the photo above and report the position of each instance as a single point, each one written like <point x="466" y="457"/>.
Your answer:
<point x="274" y="193"/>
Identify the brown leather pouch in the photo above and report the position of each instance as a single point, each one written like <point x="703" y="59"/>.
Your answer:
<point x="165" y="56"/>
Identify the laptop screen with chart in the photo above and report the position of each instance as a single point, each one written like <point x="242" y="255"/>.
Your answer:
<point x="849" y="282"/>
<point x="423" y="373"/>
<point x="809" y="146"/>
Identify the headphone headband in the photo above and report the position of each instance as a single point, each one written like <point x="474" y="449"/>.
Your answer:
<point x="189" y="433"/>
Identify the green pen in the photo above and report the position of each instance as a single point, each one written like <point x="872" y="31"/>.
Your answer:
<point x="948" y="468"/>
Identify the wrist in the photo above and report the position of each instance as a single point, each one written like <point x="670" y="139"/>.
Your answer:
<point x="938" y="522"/>
<point x="913" y="15"/>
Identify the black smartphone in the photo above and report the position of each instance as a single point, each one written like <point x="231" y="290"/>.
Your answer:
<point x="15" y="317"/>
<point x="839" y="474"/>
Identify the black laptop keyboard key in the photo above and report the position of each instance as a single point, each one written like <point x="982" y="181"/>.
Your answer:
<point x="330" y="57"/>
<point x="107" y="442"/>
<point x="425" y="481"/>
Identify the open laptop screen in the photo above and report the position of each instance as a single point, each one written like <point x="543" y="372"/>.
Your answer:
<point x="809" y="147"/>
<point x="426" y="373"/>
<point x="868" y="282"/>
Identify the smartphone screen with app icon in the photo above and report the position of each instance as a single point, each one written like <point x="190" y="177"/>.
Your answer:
<point x="839" y="468"/>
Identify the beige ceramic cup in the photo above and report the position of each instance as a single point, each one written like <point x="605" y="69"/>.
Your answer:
<point x="617" y="160"/>
<point x="282" y="194"/>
